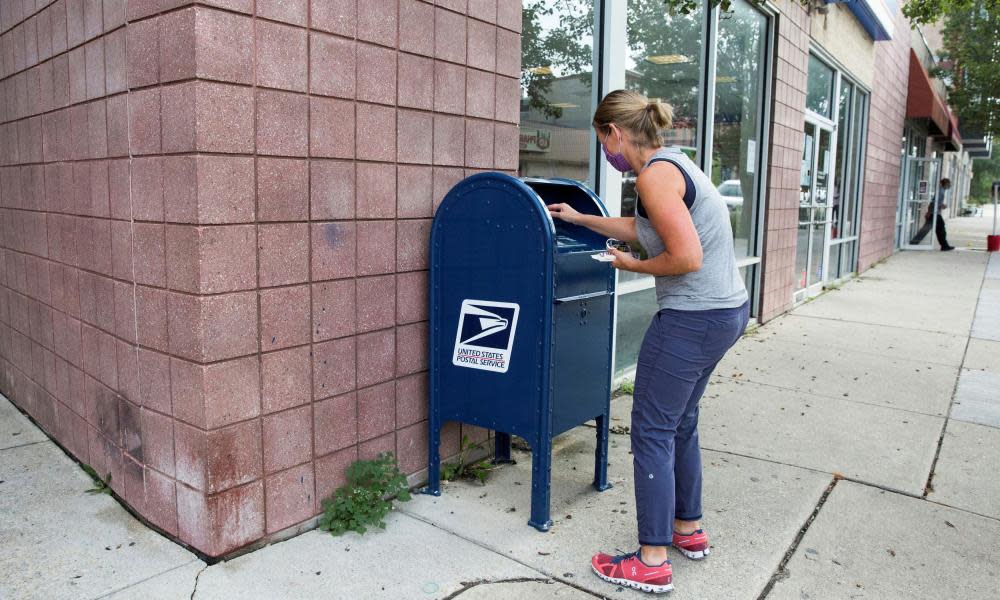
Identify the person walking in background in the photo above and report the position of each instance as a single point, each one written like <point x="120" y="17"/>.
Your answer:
<point x="683" y="223"/>
<point x="939" y="230"/>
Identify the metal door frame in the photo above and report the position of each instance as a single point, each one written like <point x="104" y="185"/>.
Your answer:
<point x="934" y="184"/>
<point x="817" y="125"/>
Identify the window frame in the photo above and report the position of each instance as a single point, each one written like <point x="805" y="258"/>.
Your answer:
<point x="610" y="188"/>
<point x="842" y="75"/>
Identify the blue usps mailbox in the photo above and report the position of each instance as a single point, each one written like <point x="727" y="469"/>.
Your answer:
<point x="521" y="321"/>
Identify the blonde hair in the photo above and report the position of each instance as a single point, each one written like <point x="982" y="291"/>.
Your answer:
<point x="632" y="112"/>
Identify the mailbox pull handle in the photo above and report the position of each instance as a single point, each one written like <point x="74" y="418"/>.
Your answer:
<point x="583" y="297"/>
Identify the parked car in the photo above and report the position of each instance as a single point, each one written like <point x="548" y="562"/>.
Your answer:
<point x="732" y="193"/>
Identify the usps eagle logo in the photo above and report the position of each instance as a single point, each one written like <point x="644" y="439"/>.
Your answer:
<point x="485" y="335"/>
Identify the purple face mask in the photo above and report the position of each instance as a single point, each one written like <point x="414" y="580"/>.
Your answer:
<point x="617" y="160"/>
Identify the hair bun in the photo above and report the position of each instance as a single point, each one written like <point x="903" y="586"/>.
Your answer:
<point x="661" y="114"/>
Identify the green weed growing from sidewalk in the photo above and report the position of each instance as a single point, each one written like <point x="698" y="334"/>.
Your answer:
<point x="627" y="388"/>
<point x="366" y="498"/>
<point x="101" y="486"/>
<point x="461" y="468"/>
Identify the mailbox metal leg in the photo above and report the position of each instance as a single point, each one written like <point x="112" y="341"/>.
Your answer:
<point x="434" y="458"/>
<point x="601" y="455"/>
<point x="541" y="474"/>
<point x="501" y="454"/>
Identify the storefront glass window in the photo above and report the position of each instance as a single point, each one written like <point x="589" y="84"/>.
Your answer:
<point x="557" y="80"/>
<point x="848" y="180"/>
<point x="842" y="200"/>
<point x="635" y="311"/>
<point x="739" y="92"/>
<point x="819" y="88"/>
<point x="663" y="62"/>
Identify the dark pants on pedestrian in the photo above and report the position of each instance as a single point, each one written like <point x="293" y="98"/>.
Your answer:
<point x="678" y="355"/>
<point x="939" y="231"/>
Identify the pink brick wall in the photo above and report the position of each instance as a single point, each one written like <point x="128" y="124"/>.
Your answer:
<point x="781" y="220"/>
<point x="214" y="232"/>
<point x="885" y="128"/>
<point x="885" y="132"/>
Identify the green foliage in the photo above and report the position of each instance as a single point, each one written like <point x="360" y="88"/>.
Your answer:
<point x="101" y="486"/>
<point x="924" y="12"/>
<point x="366" y="498"/>
<point x="919" y="12"/>
<point x="555" y="38"/>
<point x="627" y="388"/>
<point x="686" y="7"/>
<point x="970" y="65"/>
<point x="462" y="469"/>
<point x="984" y="174"/>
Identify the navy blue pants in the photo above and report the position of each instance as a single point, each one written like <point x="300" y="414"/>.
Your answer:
<point x="678" y="355"/>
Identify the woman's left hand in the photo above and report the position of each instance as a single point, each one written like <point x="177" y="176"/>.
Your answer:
<point x="624" y="261"/>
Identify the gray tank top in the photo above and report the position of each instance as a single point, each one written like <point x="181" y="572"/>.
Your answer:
<point x="718" y="283"/>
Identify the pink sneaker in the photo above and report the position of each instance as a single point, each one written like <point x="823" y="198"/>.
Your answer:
<point x="694" y="546"/>
<point x="629" y="570"/>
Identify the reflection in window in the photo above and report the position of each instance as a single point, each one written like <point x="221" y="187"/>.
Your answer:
<point x="819" y="88"/>
<point x="739" y="89"/>
<point x="635" y="310"/>
<point x="556" y="85"/>
<point x="841" y="198"/>
<point x="663" y="63"/>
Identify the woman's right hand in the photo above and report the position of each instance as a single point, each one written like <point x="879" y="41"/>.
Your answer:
<point x="565" y="212"/>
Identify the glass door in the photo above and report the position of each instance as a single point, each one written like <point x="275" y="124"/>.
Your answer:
<point x="919" y="215"/>
<point x="812" y="248"/>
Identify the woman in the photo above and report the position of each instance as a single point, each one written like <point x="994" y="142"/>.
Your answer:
<point x="683" y="223"/>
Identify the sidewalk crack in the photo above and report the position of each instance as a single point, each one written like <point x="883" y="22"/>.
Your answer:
<point x="929" y="486"/>
<point x="782" y="572"/>
<point x="468" y="585"/>
<point x="196" y="578"/>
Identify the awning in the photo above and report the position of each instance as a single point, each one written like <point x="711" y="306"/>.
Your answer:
<point x="977" y="148"/>
<point x="954" y="141"/>
<point x="923" y="102"/>
<point x="875" y="16"/>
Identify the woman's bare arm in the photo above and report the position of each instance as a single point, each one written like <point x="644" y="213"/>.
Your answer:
<point x="620" y="228"/>
<point x="661" y="187"/>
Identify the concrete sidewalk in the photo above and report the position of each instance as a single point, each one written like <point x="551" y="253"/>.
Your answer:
<point x="850" y="451"/>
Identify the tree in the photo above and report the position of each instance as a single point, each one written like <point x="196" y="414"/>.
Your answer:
<point x="925" y="12"/>
<point x="971" y="69"/>
<point x="555" y="39"/>
<point x="985" y="173"/>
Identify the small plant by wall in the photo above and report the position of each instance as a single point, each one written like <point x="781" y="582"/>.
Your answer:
<point x="101" y="486"/>
<point x="366" y="498"/>
<point x="463" y="469"/>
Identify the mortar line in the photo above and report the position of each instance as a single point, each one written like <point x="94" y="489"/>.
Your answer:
<point x="777" y="575"/>
<point x="954" y="391"/>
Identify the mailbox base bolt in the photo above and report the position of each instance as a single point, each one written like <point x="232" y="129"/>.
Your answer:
<point x="543" y="527"/>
